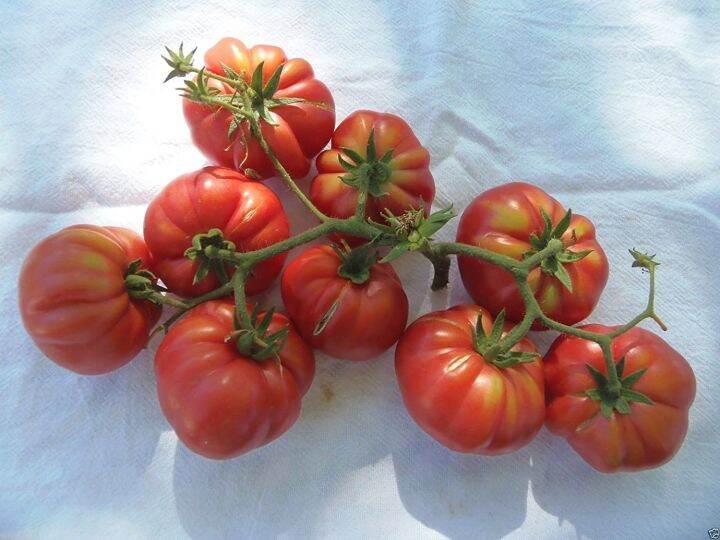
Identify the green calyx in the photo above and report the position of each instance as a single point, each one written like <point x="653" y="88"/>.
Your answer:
<point x="555" y="264"/>
<point x="259" y="97"/>
<point x="256" y="342"/>
<point x="369" y="173"/>
<point x="205" y="250"/>
<point x="198" y="90"/>
<point x="354" y="266"/>
<point x="488" y="345"/>
<point x="141" y="283"/>
<point x="180" y="62"/>
<point x="249" y="101"/>
<point x="355" y="263"/>
<point x="413" y="231"/>
<point x="643" y="260"/>
<point x="617" y="397"/>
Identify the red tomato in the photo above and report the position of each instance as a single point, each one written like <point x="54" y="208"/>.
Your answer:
<point x="650" y="434"/>
<point x="302" y="129"/>
<point x="248" y="214"/>
<point x="365" y="319"/>
<point x="74" y="303"/>
<point x="405" y="179"/>
<point x="219" y="402"/>
<point x="458" y="397"/>
<point x="503" y="219"/>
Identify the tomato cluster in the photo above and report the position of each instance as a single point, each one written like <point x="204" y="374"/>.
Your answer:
<point x="231" y="377"/>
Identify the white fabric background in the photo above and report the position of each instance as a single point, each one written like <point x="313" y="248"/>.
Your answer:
<point x="611" y="106"/>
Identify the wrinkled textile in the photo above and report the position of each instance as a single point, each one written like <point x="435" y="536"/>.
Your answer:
<point x="611" y="106"/>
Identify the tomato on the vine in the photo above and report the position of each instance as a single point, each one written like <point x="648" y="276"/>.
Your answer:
<point x="378" y="152"/>
<point x="462" y="395"/>
<point x="230" y="211"/>
<point x="345" y="308"/>
<point x="517" y="220"/>
<point x="220" y="402"/>
<point x="74" y="301"/>
<point x="639" y="426"/>
<point x="298" y="130"/>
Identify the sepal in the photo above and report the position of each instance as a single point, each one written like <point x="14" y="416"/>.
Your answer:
<point x="486" y="344"/>
<point x="179" y="62"/>
<point x="619" y="400"/>
<point x="643" y="260"/>
<point x="256" y="342"/>
<point x="204" y="250"/>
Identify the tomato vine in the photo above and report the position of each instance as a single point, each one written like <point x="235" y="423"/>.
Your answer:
<point x="251" y="102"/>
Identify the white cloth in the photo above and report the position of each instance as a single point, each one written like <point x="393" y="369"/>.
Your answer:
<point x="612" y="107"/>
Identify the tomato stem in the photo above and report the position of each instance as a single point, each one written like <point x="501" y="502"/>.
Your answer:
<point x="221" y="291"/>
<point x="647" y="313"/>
<point x="441" y="266"/>
<point x="238" y="286"/>
<point x="614" y="384"/>
<point x="361" y="204"/>
<point x="234" y="83"/>
<point x="168" y="300"/>
<point x="531" y="314"/>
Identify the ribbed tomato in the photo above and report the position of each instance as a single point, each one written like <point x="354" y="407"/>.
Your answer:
<point x="301" y="131"/>
<point x="74" y="302"/>
<point x="463" y="400"/>
<point x="504" y="219"/>
<point x="649" y="433"/>
<point x="351" y="321"/>
<point x="222" y="403"/>
<point x="400" y="181"/>
<point x="247" y="213"/>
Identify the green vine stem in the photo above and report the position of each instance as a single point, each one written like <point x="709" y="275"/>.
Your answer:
<point x="168" y="300"/>
<point x="438" y="253"/>
<point x="187" y="305"/>
<point x="238" y="286"/>
<point x="257" y="133"/>
<point x="603" y="340"/>
<point x="361" y="204"/>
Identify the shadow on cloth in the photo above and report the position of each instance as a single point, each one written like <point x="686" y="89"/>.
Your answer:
<point x="461" y="495"/>
<point x="565" y="486"/>
<point x="286" y="486"/>
<point x="75" y="467"/>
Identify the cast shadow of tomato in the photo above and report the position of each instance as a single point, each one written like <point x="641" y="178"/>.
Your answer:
<point x="461" y="495"/>
<point x="81" y="441"/>
<point x="287" y="486"/>
<point x="645" y="502"/>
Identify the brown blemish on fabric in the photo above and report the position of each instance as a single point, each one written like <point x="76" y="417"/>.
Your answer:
<point x="327" y="392"/>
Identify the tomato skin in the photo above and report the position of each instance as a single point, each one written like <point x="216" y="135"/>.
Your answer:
<point x="410" y="184"/>
<point x="465" y="403"/>
<point x="248" y="213"/>
<point x="302" y="129"/>
<point x="647" y="437"/>
<point x="73" y="300"/>
<point x="501" y="219"/>
<point x="370" y="316"/>
<point x="220" y="403"/>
